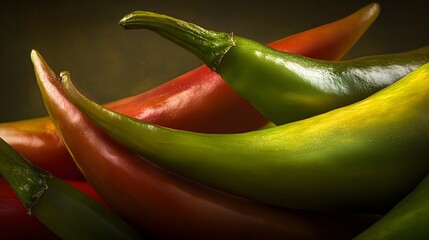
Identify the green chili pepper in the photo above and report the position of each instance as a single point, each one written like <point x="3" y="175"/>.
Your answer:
<point x="409" y="219"/>
<point x="284" y="87"/>
<point x="67" y="212"/>
<point x="362" y="157"/>
<point x="198" y="101"/>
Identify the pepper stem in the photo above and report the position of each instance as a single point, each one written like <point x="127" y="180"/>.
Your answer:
<point x="27" y="180"/>
<point x="209" y="46"/>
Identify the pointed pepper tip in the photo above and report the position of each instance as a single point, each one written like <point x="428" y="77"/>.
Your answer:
<point x="34" y="55"/>
<point x="124" y="20"/>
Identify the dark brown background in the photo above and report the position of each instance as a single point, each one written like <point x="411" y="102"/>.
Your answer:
<point x="107" y="62"/>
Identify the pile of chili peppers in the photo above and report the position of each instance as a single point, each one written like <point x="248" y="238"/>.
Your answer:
<point x="284" y="141"/>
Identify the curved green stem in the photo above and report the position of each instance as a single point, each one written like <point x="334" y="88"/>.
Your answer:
<point x="208" y="45"/>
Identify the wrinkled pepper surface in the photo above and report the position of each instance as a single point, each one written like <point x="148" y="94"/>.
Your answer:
<point x="407" y="220"/>
<point x="170" y="206"/>
<point x="67" y="212"/>
<point x="363" y="157"/>
<point x="197" y="101"/>
<point x="16" y="223"/>
<point x="284" y="87"/>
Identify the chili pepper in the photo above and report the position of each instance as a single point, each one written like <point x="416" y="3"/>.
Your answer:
<point x="284" y="87"/>
<point x="38" y="141"/>
<point x="170" y="206"/>
<point x="16" y="223"/>
<point x="409" y="219"/>
<point x="348" y="159"/>
<point x="197" y="101"/>
<point x="69" y="213"/>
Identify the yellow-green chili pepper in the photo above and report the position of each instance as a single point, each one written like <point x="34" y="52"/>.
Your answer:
<point x="284" y="87"/>
<point x="362" y="157"/>
<point x="168" y="206"/>
<point x="67" y="212"/>
<point x="409" y="219"/>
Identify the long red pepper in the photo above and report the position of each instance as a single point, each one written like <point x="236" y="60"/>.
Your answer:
<point x="197" y="101"/>
<point x="16" y="223"/>
<point x="166" y="205"/>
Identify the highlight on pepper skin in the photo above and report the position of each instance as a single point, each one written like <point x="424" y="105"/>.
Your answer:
<point x="150" y="189"/>
<point x="265" y="141"/>
<point x="198" y="101"/>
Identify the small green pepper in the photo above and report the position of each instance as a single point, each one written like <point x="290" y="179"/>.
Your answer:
<point x="284" y="87"/>
<point x="362" y="157"/>
<point x="66" y="211"/>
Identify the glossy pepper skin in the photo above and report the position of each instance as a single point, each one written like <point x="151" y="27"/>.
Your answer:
<point x="38" y="141"/>
<point x="409" y="219"/>
<point x="167" y="205"/>
<point x="362" y="157"/>
<point x="16" y="223"/>
<point x="198" y="101"/>
<point x="284" y="87"/>
<point x="67" y="212"/>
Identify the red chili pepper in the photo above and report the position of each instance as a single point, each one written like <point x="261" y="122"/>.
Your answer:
<point x="38" y="141"/>
<point x="16" y="223"/>
<point x="166" y="205"/>
<point x="197" y="101"/>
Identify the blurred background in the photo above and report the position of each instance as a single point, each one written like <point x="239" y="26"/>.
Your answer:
<point x="108" y="63"/>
